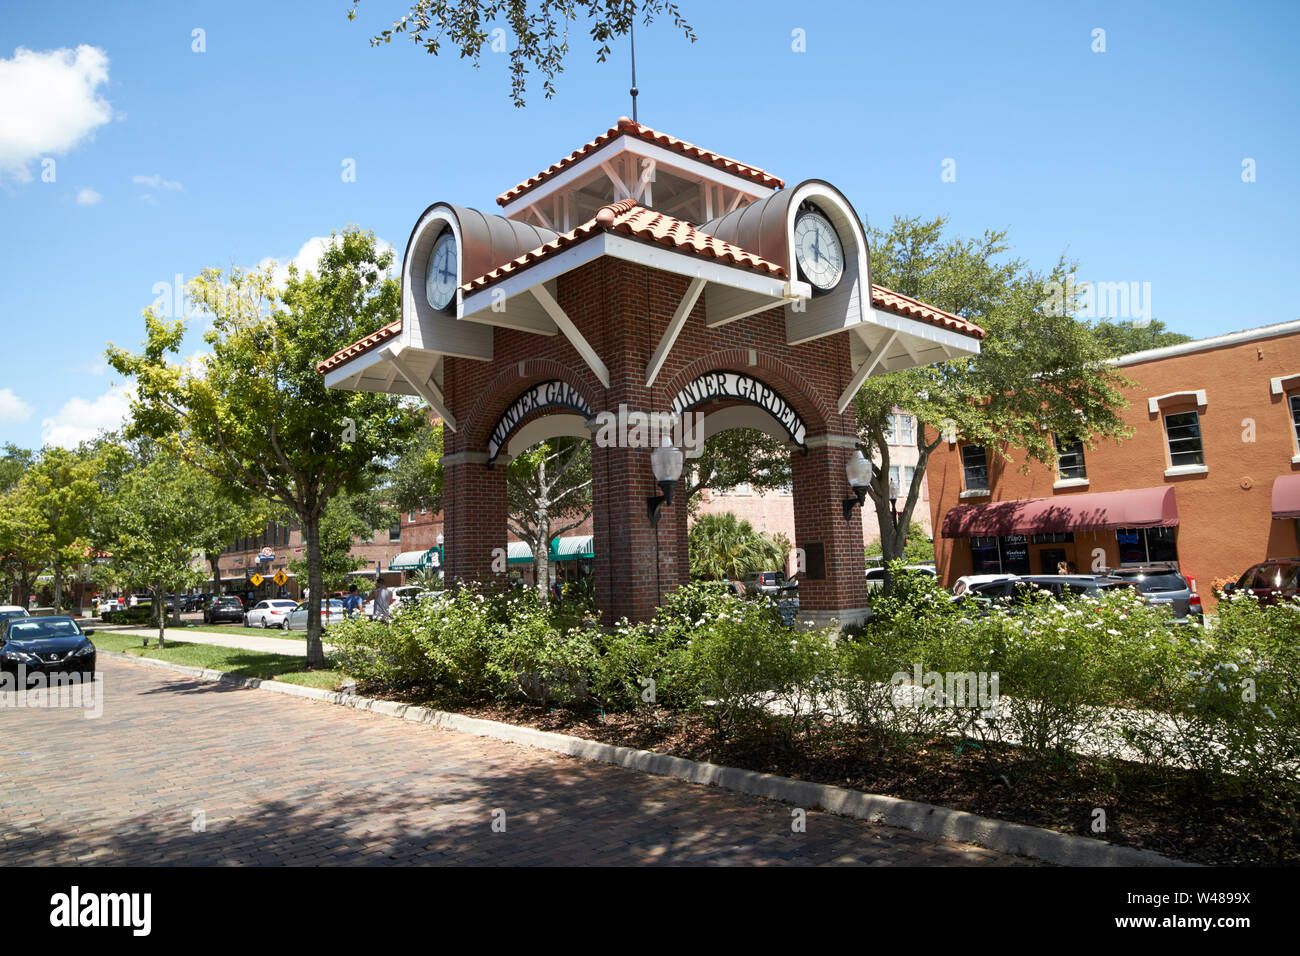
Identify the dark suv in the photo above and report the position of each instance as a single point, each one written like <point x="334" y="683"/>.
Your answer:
<point x="225" y="608"/>
<point x="1163" y="585"/>
<point x="1277" y="579"/>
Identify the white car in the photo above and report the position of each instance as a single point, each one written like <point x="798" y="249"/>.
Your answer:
<point x="268" y="613"/>
<point x="12" y="610"/>
<point x="876" y="576"/>
<point x="968" y="581"/>
<point x="404" y="595"/>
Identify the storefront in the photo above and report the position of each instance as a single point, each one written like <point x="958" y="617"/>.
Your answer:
<point x="570" y="559"/>
<point x="1079" y="534"/>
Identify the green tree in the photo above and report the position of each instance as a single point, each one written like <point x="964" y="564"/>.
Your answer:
<point x="255" y="413"/>
<point x="24" y="542"/>
<point x="723" y="547"/>
<point x="347" y="517"/>
<point x="415" y="478"/>
<point x="1124" y="338"/>
<point x="62" y="494"/>
<point x="539" y="29"/>
<point x="918" y="550"/>
<point x="734" y="457"/>
<point x="548" y="492"/>
<point x="157" y="523"/>
<point x="13" y="463"/>
<point x="1040" y="372"/>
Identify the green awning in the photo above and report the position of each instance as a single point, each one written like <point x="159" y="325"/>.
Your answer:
<point x="562" y="549"/>
<point x="416" y="560"/>
<point x="573" y="549"/>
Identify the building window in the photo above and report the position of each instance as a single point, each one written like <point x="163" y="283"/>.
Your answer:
<point x="1070" y="465"/>
<point x="901" y="476"/>
<point x="1183" y="431"/>
<point x="975" y="467"/>
<point x="410" y="517"/>
<point x="906" y="436"/>
<point x="395" y="532"/>
<point x="1295" y="417"/>
<point x="745" y="488"/>
<point x="984" y="556"/>
<point x="1052" y="537"/>
<point x="1147" y="545"/>
<point x="891" y="430"/>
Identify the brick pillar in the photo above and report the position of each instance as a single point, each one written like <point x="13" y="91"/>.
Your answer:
<point x="834" y="584"/>
<point x="474" y="517"/>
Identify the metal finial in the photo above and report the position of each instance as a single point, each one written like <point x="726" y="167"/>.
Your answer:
<point x="632" y="36"/>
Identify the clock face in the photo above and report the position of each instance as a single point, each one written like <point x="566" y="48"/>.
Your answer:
<point x="818" y="251"/>
<point x="440" y="285"/>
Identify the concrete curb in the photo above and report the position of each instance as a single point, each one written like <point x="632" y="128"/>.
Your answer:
<point x="1063" y="849"/>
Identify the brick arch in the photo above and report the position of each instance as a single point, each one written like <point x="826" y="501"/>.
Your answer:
<point x="818" y="413"/>
<point x="508" y="385"/>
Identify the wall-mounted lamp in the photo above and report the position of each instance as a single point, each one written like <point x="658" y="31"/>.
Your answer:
<point x="858" y="470"/>
<point x="666" y="463"/>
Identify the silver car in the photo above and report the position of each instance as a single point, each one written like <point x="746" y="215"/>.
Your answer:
<point x="331" y="612"/>
<point x="1162" y="585"/>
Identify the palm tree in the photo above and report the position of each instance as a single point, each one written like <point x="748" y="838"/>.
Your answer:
<point x="723" y="547"/>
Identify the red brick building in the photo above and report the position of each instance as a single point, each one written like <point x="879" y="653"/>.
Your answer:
<point x="1210" y="478"/>
<point x="644" y="276"/>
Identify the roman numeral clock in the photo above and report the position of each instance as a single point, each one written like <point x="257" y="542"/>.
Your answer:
<point x="818" y="250"/>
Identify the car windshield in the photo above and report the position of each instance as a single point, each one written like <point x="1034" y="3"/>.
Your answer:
<point x="1150" y="582"/>
<point x="282" y="604"/>
<point x="4" y="615"/>
<point x="38" y="628"/>
<point x="228" y="602"/>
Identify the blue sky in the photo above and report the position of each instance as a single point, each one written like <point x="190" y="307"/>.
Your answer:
<point x="169" y="161"/>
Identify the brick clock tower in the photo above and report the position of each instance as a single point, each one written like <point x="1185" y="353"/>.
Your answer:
<point x="643" y="291"/>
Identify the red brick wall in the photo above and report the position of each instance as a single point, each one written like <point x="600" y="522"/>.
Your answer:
<point x="1226" y="517"/>
<point x="622" y="310"/>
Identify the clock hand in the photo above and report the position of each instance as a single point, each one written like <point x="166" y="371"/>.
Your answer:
<point x="816" y="248"/>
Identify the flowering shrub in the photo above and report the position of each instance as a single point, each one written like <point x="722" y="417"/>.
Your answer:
<point x="1109" y="675"/>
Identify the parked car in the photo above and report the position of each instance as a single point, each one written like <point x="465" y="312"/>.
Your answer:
<point x="876" y="576"/>
<point x="1165" y="586"/>
<point x="12" y="610"/>
<point x="331" y="612"/>
<point x="225" y="608"/>
<point x="46" y="645"/>
<point x="1012" y="590"/>
<point x="268" y="613"/>
<point x="968" y="581"/>
<point x="1277" y="579"/>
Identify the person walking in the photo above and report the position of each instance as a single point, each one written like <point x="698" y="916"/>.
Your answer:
<point x="383" y="601"/>
<point x="352" y="603"/>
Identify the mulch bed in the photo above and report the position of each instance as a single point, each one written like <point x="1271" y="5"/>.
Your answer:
<point x="1151" y="808"/>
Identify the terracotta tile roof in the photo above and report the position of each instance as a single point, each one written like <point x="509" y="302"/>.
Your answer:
<point x="392" y="330"/>
<point x="629" y="218"/>
<point x="910" y="308"/>
<point x="626" y="126"/>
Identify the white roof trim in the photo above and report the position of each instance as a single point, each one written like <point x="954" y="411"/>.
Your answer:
<point x="1214" y="342"/>
<point x="1277" y="386"/>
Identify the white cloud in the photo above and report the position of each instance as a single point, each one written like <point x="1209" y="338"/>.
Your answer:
<point x="12" y="408"/>
<point x="81" y="419"/>
<point x="87" y="197"/>
<point x="50" y="102"/>
<point x="309" y="256"/>
<point x="155" y="181"/>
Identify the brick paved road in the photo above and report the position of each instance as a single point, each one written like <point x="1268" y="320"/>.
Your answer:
<point x="287" y="781"/>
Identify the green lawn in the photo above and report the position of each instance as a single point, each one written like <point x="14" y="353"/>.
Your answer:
<point x="237" y="629"/>
<point x="281" y="667"/>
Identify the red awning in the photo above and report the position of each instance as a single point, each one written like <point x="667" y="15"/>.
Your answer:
<point x="1137" y="508"/>
<point x="1286" y="496"/>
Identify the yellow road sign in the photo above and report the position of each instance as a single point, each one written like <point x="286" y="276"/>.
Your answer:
<point x="256" y="580"/>
<point x="280" y="578"/>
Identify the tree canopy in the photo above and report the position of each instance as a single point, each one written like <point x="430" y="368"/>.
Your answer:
<point x="539" y="30"/>
<point x="1040" y="372"/>
<point x="254" y="412"/>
